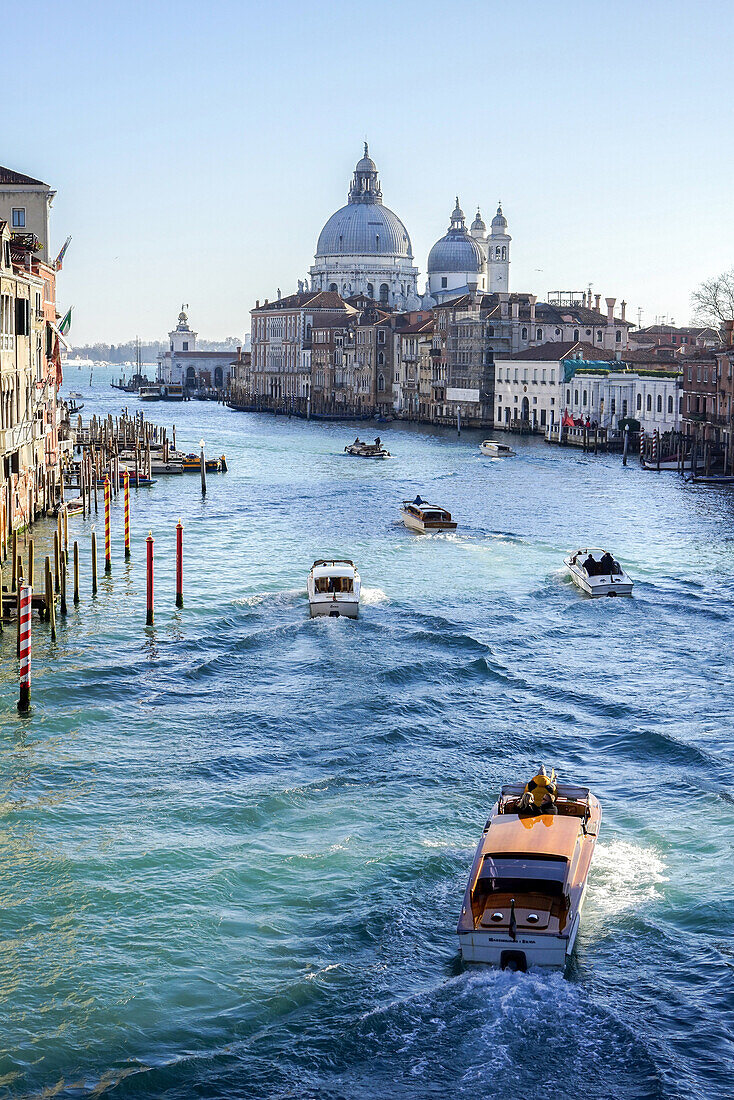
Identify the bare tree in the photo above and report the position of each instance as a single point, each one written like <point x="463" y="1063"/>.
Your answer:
<point x="712" y="302"/>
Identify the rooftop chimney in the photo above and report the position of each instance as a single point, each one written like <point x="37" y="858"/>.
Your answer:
<point x="624" y="310"/>
<point x="515" y="311"/>
<point x="610" y="310"/>
<point x="597" y="302"/>
<point x="239" y="351"/>
<point x="583" y="299"/>
<point x="532" y="298"/>
<point x="257" y="303"/>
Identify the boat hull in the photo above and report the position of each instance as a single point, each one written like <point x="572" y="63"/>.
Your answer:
<point x="422" y="526"/>
<point x="334" y="608"/>
<point x="600" y="586"/>
<point x="492" y="452"/>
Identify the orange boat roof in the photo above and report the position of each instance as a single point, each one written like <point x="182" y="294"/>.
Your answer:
<point x="538" y="836"/>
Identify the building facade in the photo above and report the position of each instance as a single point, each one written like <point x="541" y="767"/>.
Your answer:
<point x="184" y="365"/>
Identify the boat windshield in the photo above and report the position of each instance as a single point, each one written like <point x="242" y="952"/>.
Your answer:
<point x="334" y="584"/>
<point x="501" y="875"/>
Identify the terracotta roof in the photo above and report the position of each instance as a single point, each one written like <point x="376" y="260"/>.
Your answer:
<point x="566" y="349"/>
<point x="8" y="176"/>
<point x="318" y="299"/>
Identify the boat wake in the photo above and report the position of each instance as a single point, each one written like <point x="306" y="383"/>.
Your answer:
<point x="622" y="875"/>
<point x="370" y="597"/>
<point x="282" y="596"/>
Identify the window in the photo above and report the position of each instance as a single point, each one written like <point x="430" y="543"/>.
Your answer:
<point x="576" y="335"/>
<point x="705" y="374"/>
<point x="333" y="287"/>
<point x="552" y="377"/>
<point x="542" y="418"/>
<point x="618" y="336"/>
<point x="380" y="359"/>
<point x="524" y="334"/>
<point x="444" y="282"/>
<point x="22" y="317"/>
<point x="660" y="403"/>
<point x="690" y="374"/>
<point x="384" y="291"/>
<point x="575" y="397"/>
<point x="598" y="337"/>
<point x="624" y="408"/>
<point x="186" y="345"/>
<point x="585" y="397"/>
<point x="542" y="378"/>
<point x="670" y="404"/>
<point x="568" y="397"/>
<point x="370" y="290"/>
<point x="380" y="383"/>
<point x="539" y="334"/>
<point x="639" y="401"/>
<point x="649" y="402"/>
<point x="490" y="330"/>
<point x="381" y="336"/>
<point x="613" y="405"/>
<point x="18" y="217"/>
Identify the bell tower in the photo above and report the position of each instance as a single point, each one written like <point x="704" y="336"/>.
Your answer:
<point x="498" y="254"/>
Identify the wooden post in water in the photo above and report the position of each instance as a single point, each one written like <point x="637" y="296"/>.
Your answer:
<point x="174" y="437"/>
<point x="94" y="562"/>
<point x="62" y="607"/>
<point x="76" y="572"/>
<point x="26" y="600"/>
<point x="458" y="420"/>
<point x="66" y="532"/>
<point x="50" y="600"/>
<point x="626" y="444"/>
<point x="107" y="527"/>
<point x="57" y="572"/>
<point x="31" y="556"/>
<point x="14" y="575"/>
<point x="179" y="564"/>
<point x="202" y="462"/>
<point x="149" y="578"/>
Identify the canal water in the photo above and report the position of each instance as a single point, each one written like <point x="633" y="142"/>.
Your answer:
<point x="233" y="846"/>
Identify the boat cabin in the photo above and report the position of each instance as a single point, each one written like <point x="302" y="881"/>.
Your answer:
<point x="596" y="562"/>
<point x="333" y="576"/>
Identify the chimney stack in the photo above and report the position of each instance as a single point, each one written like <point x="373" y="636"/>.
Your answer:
<point x="515" y="311"/>
<point x="610" y="310"/>
<point x="624" y="310"/>
<point x="583" y="300"/>
<point x="257" y="303"/>
<point x="239" y="353"/>
<point x="532" y="298"/>
<point x="597" y="302"/>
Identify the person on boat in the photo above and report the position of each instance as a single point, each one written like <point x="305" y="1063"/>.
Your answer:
<point x="378" y="441"/>
<point x="590" y="565"/>
<point x="357" y="443"/>
<point x="606" y="565"/>
<point x="539" y="796"/>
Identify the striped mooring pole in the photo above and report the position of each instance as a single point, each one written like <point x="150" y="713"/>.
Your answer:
<point x="149" y="574"/>
<point x="24" y="699"/>
<point x="126" y="509"/>
<point x="107" y="530"/>
<point x="179" y="564"/>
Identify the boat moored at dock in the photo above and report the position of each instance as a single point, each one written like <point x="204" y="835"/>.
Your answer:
<point x="333" y="588"/>
<point x="421" y="516"/>
<point x="597" y="573"/>
<point x="494" y="449"/>
<point x="522" y="905"/>
<point x="368" y="450"/>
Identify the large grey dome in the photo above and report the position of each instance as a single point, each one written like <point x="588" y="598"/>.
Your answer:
<point x="457" y="251"/>
<point x="364" y="229"/>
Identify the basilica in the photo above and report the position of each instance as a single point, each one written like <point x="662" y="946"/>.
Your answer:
<point x="365" y="249"/>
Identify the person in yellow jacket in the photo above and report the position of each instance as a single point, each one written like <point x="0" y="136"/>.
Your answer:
<point x="539" y="796"/>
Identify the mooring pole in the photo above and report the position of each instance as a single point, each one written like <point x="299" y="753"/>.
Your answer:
<point x="179" y="564"/>
<point x="626" y="444"/>
<point x="126" y="510"/>
<point x="107" y="527"/>
<point x="149" y="575"/>
<point x="76" y="572"/>
<point x="94" y="562"/>
<point x="202" y="462"/>
<point x="26" y="599"/>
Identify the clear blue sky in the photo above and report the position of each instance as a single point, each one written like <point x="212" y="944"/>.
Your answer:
<point x="197" y="148"/>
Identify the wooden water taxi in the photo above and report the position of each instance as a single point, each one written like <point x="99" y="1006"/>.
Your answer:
<point x="421" y="516"/>
<point x="596" y="573"/>
<point x="494" y="449"/>
<point x="367" y="450"/>
<point x="333" y="588"/>
<point x="522" y="906"/>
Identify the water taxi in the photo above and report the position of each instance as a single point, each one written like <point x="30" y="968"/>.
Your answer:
<point x="496" y="450"/>
<point x="333" y="588"/>
<point x="596" y="573"/>
<point x="421" y="516"/>
<point x="522" y="906"/>
<point x="192" y="464"/>
<point x="367" y="450"/>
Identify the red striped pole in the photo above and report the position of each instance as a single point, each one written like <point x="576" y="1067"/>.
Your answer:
<point x="179" y="564"/>
<point x="24" y="700"/>
<point x="126" y="508"/>
<point x="107" y="531"/>
<point x="149" y="571"/>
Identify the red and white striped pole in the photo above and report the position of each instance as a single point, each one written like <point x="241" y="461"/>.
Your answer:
<point x="107" y="529"/>
<point x="126" y="509"/>
<point x="149" y="571"/>
<point x="179" y="564"/>
<point x="24" y="700"/>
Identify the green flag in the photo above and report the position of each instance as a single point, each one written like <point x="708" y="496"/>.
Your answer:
<point x="65" y="322"/>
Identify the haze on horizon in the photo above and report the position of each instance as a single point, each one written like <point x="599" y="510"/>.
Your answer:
<point x="197" y="150"/>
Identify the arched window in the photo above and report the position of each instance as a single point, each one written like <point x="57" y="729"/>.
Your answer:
<point x="333" y="287"/>
<point x="524" y="334"/>
<point x="370" y="290"/>
<point x="384" y="291"/>
<point x="345" y="289"/>
<point x="308" y="331"/>
<point x="639" y="401"/>
<point x="190" y="377"/>
<point x="504" y="253"/>
<point x="618" y="336"/>
<point x="539" y="334"/>
<point x="497" y="252"/>
<point x="218" y="377"/>
<point x="490" y="330"/>
<point x="670" y="404"/>
<point x="575" y="397"/>
<point x="380" y="359"/>
<point x="576" y="334"/>
<point x="660" y="402"/>
<point x="649" y="402"/>
<point x="380" y="383"/>
<point x="568" y="397"/>
<point x="585" y="395"/>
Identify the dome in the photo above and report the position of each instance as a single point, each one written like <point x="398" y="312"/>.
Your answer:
<point x="478" y="222"/>
<point x="457" y="251"/>
<point x="364" y="229"/>
<point x="499" y="221"/>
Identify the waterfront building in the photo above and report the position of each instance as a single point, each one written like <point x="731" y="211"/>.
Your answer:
<point x="184" y="365"/>
<point x="412" y="343"/>
<point x="675" y="340"/>
<point x="25" y="204"/>
<point x="536" y="387"/>
<point x="701" y="372"/>
<point x="364" y="248"/>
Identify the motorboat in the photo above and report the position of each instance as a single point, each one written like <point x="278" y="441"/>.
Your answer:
<point x="367" y="450"/>
<point x="496" y="450"/>
<point x="527" y="886"/>
<point x="421" y="516"/>
<point x="333" y="588"/>
<point x="597" y="573"/>
<point x="192" y="464"/>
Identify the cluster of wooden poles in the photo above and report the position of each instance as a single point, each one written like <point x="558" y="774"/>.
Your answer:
<point x="56" y="581"/>
<point x="103" y="444"/>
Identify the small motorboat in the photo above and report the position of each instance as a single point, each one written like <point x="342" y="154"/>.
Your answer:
<point x="421" y="516"/>
<point x="73" y="507"/>
<point x="496" y="450"/>
<point x="522" y="906"/>
<point x="597" y="573"/>
<point x="367" y="450"/>
<point x="192" y="464"/>
<point x="333" y="588"/>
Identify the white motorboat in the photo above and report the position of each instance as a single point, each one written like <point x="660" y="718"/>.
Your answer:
<point x="496" y="450"/>
<point x="367" y="450"/>
<point x="597" y="573"/>
<point x="421" y="516"/>
<point x="523" y="902"/>
<point x="333" y="588"/>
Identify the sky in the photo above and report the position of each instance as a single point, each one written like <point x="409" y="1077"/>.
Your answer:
<point x="198" y="148"/>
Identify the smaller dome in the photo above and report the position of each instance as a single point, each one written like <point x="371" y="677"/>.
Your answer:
<point x="456" y="252"/>
<point x="458" y="214"/>
<point x="366" y="164"/>
<point x="478" y="222"/>
<point x="182" y="318"/>
<point x="499" y="221"/>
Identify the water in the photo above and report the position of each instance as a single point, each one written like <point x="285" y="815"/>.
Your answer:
<point x="233" y="847"/>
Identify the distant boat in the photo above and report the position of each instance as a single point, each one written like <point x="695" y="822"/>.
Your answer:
<point x="494" y="449"/>
<point x="596" y="573"/>
<point x="367" y="450"/>
<point x="421" y="516"/>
